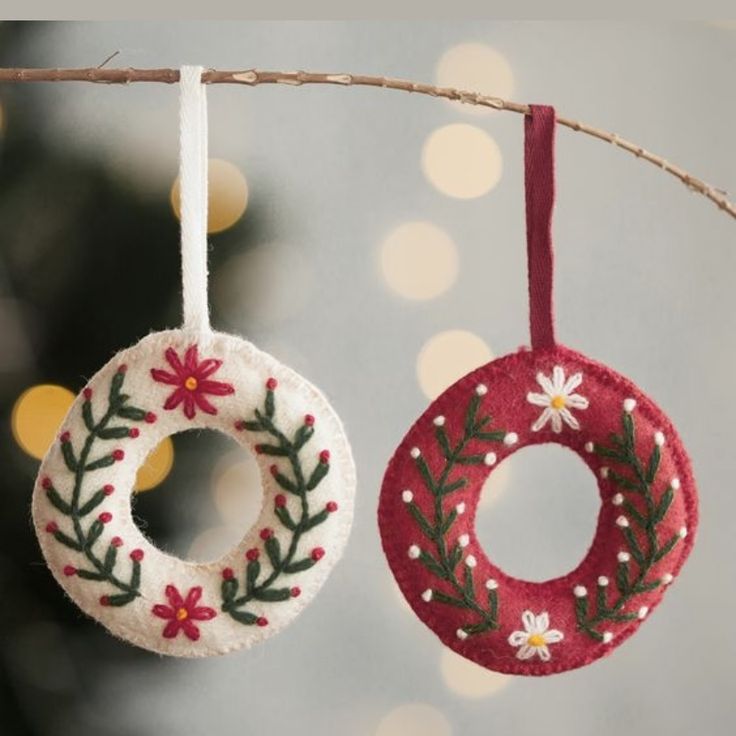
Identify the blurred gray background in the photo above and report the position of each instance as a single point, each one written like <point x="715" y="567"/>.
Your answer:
<point x="381" y="254"/>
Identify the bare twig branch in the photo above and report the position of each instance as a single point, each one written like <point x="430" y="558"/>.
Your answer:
<point x="254" y="77"/>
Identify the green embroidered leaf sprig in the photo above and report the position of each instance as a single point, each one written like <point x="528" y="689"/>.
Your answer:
<point x="266" y="584"/>
<point x="635" y="479"/>
<point x="114" y="424"/>
<point x="446" y="557"/>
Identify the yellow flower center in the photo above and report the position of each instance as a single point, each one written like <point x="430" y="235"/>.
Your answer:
<point x="536" y="640"/>
<point x="558" y="402"/>
<point x="182" y="614"/>
<point x="191" y="383"/>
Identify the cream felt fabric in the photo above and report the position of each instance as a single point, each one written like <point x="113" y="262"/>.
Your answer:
<point x="144" y="619"/>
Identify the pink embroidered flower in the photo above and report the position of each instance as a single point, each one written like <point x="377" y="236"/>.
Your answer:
<point x="181" y="613"/>
<point x="191" y="381"/>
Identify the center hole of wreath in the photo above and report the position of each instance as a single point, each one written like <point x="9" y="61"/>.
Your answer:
<point x="538" y="513"/>
<point x="207" y="503"/>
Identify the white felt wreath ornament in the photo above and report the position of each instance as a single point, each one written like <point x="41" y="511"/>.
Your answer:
<point x="176" y="380"/>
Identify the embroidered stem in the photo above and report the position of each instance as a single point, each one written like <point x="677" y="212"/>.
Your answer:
<point x="84" y="541"/>
<point x="645" y="549"/>
<point x="445" y="564"/>
<point x="296" y="484"/>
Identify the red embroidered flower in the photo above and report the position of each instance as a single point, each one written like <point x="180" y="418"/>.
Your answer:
<point x="191" y="381"/>
<point x="181" y="613"/>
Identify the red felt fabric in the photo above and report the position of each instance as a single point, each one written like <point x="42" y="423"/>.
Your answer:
<point x="539" y="180"/>
<point x="509" y="379"/>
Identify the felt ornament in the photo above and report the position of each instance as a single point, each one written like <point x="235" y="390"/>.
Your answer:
<point x="548" y="393"/>
<point x="177" y="380"/>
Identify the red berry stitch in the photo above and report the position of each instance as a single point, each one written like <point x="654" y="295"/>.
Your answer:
<point x="271" y="384"/>
<point x="252" y="554"/>
<point x="46" y="482"/>
<point x="136" y="555"/>
<point x="324" y="457"/>
<point x="52" y="527"/>
<point x="331" y="507"/>
<point x="295" y="592"/>
<point x="280" y="501"/>
<point x="150" y="417"/>
<point x="266" y="534"/>
<point x="309" y="420"/>
<point x="134" y="432"/>
<point x="70" y="570"/>
<point x="108" y="489"/>
<point x="118" y="455"/>
<point x="105" y="600"/>
<point x="65" y="437"/>
<point x="317" y="554"/>
<point x="116" y="542"/>
<point x="228" y="574"/>
<point x="262" y="621"/>
<point x="87" y="393"/>
<point x="105" y="517"/>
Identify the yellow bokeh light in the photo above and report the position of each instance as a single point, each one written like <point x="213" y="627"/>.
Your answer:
<point x="470" y="680"/>
<point x="462" y="161"/>
<point x="419" y="260"/>
<point x="227" y="195"/>
<point x="236" y="490"/>
<point x="156" y="466"/>
<point x="475" y="67"/>
<point x="37" y="416"/>
<point x="448" y="356"/>
<point x="414" y="719"/>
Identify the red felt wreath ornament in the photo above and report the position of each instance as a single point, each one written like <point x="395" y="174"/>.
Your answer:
<point x="548" y="393"/>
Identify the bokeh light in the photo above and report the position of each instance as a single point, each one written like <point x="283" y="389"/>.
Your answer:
<point x="264" y="285"/>
<point x="468" y="679"/>
<point x="419" y="260"/>
<point x="212" y="544"/>
<point x="448" y="356"/>
<point x="495" y="485"/>
<point x="236" y="490"/>
<point x="414" y="719"/>
<point x="462" y="161"/>
<point x="37" y="416"/>
<point x="475" y="67"/>
<point x="227" y="195"/>
<point x="156" y="466"/>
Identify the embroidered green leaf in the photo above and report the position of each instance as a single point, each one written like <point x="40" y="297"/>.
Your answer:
<point x="471" y="414"/>
<point x="115" y="385"/>
<point x="653" y="464"/>
<point x="67" y="541"/>
<point x="581" y="607"/>
<point x="67" y="452"/>
<point x="634" y="514"/>
<point x="315" y="520"/>
<point x="243" y="617"/>
<point x="252" y="571"/>
<point x="470" y="459"/>
<point x="633" y="544"/>
<point x="132" y="413"/>
<point x="273" y="450"/>
<point x="448" y="522"/>
<point x="270" y="405"/>
<point x="668" y="546"/>
<point x="491" y="436"/>
<point x="228" y="590"/>
<point x="110" y="558"/>
<point x="91" y="575"/>
<point x="432" y="565"/>
<point x="272" y="595"/>
<point x="135" y="575"/>
<point x="121" y="599"/>
<point x="89" y="420"/>
<point x="302" y="436"/>
<point x="454" y="486"/>
<point x="103" y="462"/>
<point x="113" y="433"/>
<point x="285" y="517"/>
<point x="319" y="472"/>
<point x="95" y="530"/>
<point x="286" y="483"/>
<point x="424" y="471"/>
<point x="622" y="578"/>
<point x="443" y="441"/>
<point x="299" y="566"/>
<point x="95" y="500"/>
<point x="252" y="426"/>
<point x="623" y="482"/>
<point x="663" y="506"/>
<point x="273" y="550"/>
<point x="57" y="501"/>
<point x="438" y="595"/>
<point x="421" y="519"/>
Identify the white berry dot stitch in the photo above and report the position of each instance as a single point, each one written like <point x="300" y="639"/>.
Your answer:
<point x="548" y="393"/>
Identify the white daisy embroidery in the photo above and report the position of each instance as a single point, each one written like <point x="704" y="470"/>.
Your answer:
<point x="558" y="398"/>
<point x="536" y="637"/>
